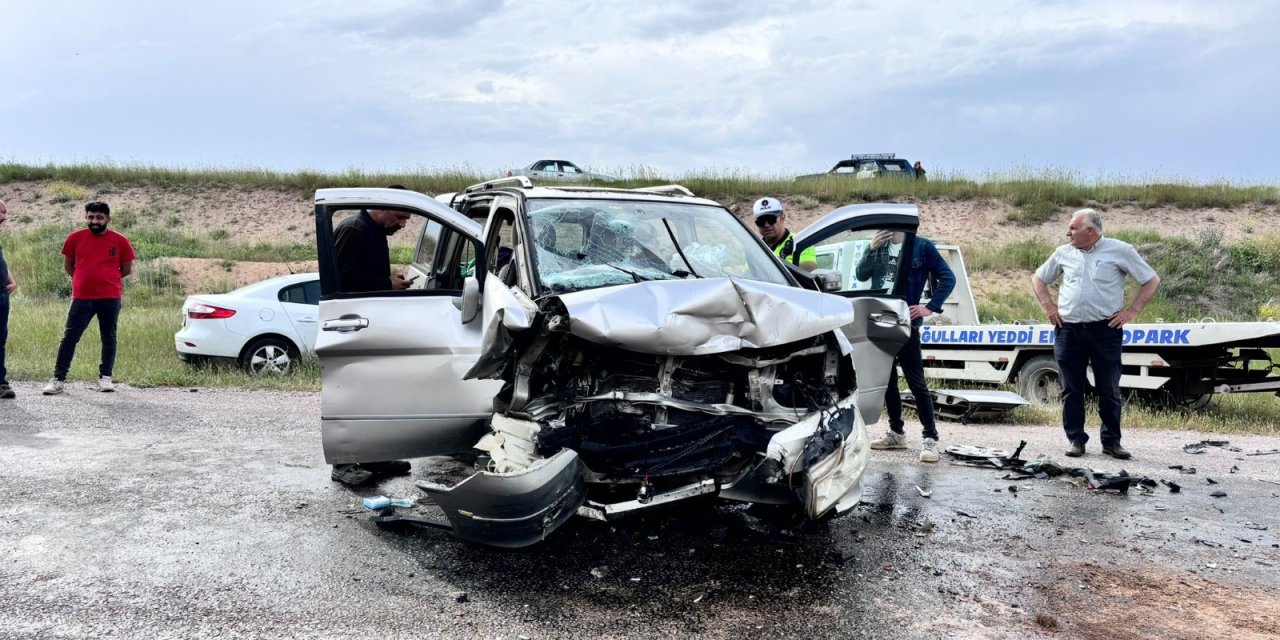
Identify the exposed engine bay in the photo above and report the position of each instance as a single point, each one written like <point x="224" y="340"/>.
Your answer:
<point x="618" y="429"/>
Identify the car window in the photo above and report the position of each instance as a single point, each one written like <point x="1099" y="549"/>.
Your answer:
<point x="302" y="293"/>
<point x="898" y="166"/>
<point x="544" y="166"/>
<point x="454" y="261"/>
<point x="569" y="168"/>
<point x="427" y="245"/>
<point x="868" y="260"/>
<point x="584" y="244"/>
<point x="501" y="240"/>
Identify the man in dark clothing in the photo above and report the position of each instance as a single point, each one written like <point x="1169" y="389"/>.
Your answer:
<point x="364" y="264"/>
<point x="364" y="259"/>
<point x="880" y="265"/>
<point x="7" y="286"/>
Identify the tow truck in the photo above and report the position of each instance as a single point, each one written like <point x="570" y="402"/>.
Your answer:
<point x="1182" y="363"/>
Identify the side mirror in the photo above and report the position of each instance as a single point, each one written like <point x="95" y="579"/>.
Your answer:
<point x="470" y="300"/>
<point x="828" y="281"/>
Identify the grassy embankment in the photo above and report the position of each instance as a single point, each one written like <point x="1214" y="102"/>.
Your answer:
<point x="1203" y="277"/>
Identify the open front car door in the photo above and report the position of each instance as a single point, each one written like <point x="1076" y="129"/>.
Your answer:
<point x="393" y="361"/>
<point x="869" y="247"/>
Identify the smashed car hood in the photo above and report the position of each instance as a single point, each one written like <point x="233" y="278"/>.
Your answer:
<point x="700" y="317"/>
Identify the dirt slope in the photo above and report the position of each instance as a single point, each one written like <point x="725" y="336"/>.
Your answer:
<point x="277" y="215"/>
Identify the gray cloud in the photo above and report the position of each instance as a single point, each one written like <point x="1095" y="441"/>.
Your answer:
<point x="1098" y="86"/>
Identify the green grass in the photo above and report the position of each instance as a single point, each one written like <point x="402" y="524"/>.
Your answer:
<point x="1032" y="191"/>
<point x="145" y="354"/>
<point x="34" y="257"/>
<point x="1253" y="413"/>
<point x="1033" y="213"/>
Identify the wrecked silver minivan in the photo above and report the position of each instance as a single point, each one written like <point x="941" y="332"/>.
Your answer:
<point x="607" y="350"/>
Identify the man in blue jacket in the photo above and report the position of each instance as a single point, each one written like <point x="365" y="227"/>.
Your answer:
<point x="881" y="266"/>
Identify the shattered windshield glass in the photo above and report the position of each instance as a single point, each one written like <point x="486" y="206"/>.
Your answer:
<point x="584" y="244"/>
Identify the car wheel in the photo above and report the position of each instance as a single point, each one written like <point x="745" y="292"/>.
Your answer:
<point x="269" y="356"/>
<point x="1039" y="381"/>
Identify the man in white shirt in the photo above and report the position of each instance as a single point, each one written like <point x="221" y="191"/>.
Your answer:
<point x="1089" y="317"/>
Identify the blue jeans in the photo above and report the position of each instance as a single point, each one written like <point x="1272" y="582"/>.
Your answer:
<point x="1079" y="345"/>
<point x="78" y="318"/>
<point x="912" y="363"/>
<point x="4" y="332"/>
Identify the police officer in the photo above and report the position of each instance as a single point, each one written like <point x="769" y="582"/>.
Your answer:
<point x="771" y="222"/>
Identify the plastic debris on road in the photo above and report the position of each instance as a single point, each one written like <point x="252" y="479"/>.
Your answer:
<point x="376" y="503"/>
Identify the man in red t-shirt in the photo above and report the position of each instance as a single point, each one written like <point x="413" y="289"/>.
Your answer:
<point x="97" y="260"/>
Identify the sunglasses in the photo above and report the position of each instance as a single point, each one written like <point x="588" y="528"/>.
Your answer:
<point x="766" y="220"/>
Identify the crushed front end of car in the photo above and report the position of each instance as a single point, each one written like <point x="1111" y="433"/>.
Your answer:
<point x="625" y="397"/>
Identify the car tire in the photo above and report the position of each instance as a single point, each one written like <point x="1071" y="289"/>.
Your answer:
<point x="1039" y="381"/>
<point x="269" y="356"/>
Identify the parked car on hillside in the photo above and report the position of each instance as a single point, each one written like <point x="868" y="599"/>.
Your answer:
<point x="606" y="351"/>
<point x="866" y="167"/>
<point x="560" y="171"/>
<point x="266" y="327"/>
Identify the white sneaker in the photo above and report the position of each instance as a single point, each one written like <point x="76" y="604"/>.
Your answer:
<point x="929" y="450"/>
<point x="105" y="385"/>
<point x="890" y="440"/>
<point x="53" y="388"/>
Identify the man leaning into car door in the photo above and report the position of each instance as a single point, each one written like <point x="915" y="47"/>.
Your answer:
<point x="364" y="264"/>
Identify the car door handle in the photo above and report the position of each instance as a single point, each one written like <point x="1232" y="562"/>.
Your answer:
<point x="886" y="318"/>
<point x="345" y="325"/>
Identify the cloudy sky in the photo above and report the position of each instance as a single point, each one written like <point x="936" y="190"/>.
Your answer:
<point x="1143" y="89"/>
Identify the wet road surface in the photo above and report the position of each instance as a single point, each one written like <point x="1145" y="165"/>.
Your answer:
<point x="167" y="513"/>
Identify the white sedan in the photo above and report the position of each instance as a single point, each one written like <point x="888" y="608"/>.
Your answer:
<point x="559" y="171"/>
<point x="265" y="327"/>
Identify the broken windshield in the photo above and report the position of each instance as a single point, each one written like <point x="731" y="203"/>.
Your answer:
<point x="584" y="244"/>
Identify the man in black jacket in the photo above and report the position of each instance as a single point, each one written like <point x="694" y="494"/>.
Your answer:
<point x="363" y="257"/>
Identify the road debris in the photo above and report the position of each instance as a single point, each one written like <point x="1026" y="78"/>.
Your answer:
<point x="1182" y="469"/>
<point x="1199" y="447"/>
<point x="1042" y="467"/>
<point x="377" y="503"/>
<point x="924" y="493"/>
<point x="1219" y="494"/>
<point x="1264" y="453"/>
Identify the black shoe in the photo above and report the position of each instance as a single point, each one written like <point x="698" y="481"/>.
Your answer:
<point x="6" y="392"/>
<point x="1076" y="450"/>
<point x="388" y="468"/>
<point x="1116" y="451"/>
<point x="351" y="475"/>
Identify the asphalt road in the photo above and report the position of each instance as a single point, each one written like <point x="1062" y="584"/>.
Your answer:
<point x="168" y="513"/>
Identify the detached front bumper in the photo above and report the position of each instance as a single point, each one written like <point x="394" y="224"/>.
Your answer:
<point x="829" y="451"/>
<point x="514" y="509"/>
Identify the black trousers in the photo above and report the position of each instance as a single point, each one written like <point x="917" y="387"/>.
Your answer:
<point x="912" y="364"/>
<point x="1079" y="345"/>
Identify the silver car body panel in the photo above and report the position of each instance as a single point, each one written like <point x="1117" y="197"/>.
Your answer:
<point x="395" y="388"/>
<point x="703" y="316"/>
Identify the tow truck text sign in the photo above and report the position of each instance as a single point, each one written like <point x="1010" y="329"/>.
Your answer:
<point x="1037" y="335"/>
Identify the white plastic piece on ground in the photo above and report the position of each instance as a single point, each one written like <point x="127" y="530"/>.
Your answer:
<point x="835" y="481"/>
